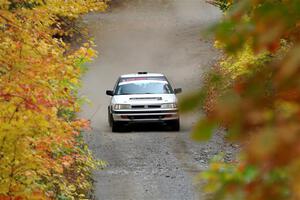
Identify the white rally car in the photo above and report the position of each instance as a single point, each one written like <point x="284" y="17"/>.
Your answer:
<point x="143" y="98"/>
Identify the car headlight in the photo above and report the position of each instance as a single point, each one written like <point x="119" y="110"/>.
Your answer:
<point x="169" y="105"/>
<point x="121" y="106"/>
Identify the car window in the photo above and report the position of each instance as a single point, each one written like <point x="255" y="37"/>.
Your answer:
<point x="143" y="87"/>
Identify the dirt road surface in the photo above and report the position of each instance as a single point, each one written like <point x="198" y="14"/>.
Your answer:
<point x="155" y="36"/>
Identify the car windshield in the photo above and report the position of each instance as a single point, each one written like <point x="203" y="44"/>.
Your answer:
<point x="143" y="87"/>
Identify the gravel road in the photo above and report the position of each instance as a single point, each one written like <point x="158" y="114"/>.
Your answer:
<point x="155" y="36"/>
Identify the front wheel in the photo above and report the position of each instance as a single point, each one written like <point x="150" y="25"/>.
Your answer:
<point x="110" y="118"/>
<point x="116" y="126"/>
<point x="174" y="125"/>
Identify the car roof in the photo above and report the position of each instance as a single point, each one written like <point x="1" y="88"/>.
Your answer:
<point x="143" y="74"/>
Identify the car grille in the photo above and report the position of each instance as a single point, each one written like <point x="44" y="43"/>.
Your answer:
<point x="144" y="112"/>
<point x="138" y="107"/>
<point x="147" y="117"/>
<point x="154" y="106"/>
<point x="145" y="106"/>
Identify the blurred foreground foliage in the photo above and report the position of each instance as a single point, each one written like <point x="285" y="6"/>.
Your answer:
<point x="42" y="153"/>
<point x="254" y="92"/>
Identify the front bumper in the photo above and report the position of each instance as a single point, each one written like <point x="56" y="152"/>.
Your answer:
<point x="151" y="115"/>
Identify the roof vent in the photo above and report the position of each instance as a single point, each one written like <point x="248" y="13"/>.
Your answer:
<point x="142" y="72"/>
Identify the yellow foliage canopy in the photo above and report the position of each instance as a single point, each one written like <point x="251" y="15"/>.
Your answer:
<point x="38" y="80"/>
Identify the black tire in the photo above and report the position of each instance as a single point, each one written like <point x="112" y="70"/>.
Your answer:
<point x="110" y="119"/>
<point x="116" y="126"/>
<point x="174" y="125"/>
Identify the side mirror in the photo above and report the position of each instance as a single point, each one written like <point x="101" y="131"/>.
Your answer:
<point x="177" y="90"/>
<point x="109" y="93"/>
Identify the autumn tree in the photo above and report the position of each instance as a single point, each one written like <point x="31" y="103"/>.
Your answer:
<point x="42" y="155"/>
<point x="257" y="98"/>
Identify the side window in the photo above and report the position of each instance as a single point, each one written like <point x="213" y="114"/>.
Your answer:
<point x="170" y="85"/>
<point x="167" y="89"/>
<point x="116" y="85"/>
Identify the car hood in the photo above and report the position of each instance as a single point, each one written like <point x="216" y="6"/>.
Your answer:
<point x="144" y="99"/>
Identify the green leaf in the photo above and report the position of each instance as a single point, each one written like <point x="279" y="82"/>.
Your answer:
<point x="192" y="101"/>
<point x="203" y="130"/>
<point x="250" y="174"/>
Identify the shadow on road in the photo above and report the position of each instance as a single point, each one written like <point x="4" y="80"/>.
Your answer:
<point x="146" y="127"/>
